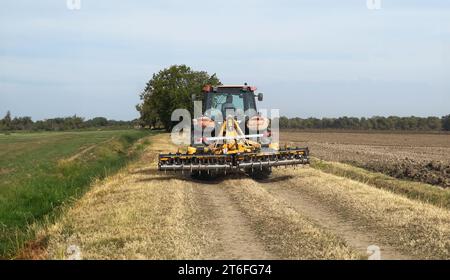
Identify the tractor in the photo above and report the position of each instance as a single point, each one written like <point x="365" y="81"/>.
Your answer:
<point x="230" y="135"/>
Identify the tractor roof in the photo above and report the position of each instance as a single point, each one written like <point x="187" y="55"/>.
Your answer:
<point x="209" y="88"/>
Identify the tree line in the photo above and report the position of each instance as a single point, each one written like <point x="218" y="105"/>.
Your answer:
<point x="8" y="123"/>
<point x="372" y="123"/>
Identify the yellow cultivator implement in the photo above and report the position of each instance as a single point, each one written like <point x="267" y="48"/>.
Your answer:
<point x="231" y="149"/>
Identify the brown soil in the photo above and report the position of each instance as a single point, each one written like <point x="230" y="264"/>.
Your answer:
<point x="4" y="171"/>
<point x="419" y="157"/>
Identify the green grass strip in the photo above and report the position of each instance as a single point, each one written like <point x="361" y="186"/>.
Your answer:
<point x="42" y="184"/>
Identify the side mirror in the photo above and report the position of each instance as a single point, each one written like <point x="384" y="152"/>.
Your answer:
<point x="260" y="96"/>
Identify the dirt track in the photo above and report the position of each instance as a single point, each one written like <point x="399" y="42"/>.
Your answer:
<point x="297" y="214"/>
<point x="235" y="236"/>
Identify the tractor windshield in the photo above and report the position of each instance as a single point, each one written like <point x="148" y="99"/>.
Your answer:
<point x="223" y="101"/>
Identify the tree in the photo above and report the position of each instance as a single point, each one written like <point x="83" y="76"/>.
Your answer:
<point x="446" y="123"/>
<point x="169" y="89"/>
<point x="22" y="123"/>
<point x="6" y="121"/>
<point x="434" y="123"/>
<point x="283" y="122"/>
<point x="149" y="114"/>
<point x="98" y="121"/>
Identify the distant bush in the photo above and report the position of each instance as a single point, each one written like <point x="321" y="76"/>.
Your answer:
<point x="60" y="124"/>
<point x="373" y="123"/>
<point x="446" y="122"/>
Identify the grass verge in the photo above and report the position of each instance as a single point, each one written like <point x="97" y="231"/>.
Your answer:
<point x="135" y="214"/>
<point x="414" y="190"/>
<point x="419" y="229"/>
<point x="38" y="198"/>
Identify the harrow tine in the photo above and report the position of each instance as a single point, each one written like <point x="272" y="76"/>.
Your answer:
<point x="225" y="163"/>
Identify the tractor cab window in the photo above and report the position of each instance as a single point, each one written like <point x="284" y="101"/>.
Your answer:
<point x="222" y="102"/>
<point x="217" y="103"/>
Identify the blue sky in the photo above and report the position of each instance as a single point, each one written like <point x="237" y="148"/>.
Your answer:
<point x="318" y="58"/>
